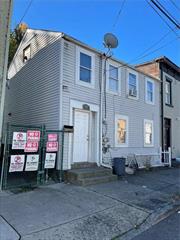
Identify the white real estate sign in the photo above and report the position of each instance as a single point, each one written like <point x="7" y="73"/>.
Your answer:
<point x="50" y="160"/>
<point x="32" y="162"/>
<point x="17" y="163"/>
<point x="19" y="140"/>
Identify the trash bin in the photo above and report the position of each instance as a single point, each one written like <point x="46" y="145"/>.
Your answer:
<point x="119" y="166"/>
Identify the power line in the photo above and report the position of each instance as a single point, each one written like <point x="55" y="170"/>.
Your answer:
<point x="155" y="3"/>
<point x="26" y="11"/>
<point x="176" y="6"/>
<point x="162" y="18"/>
<point x="157" y="49"/>
<point x="145" y="55"/>
<point x="153" y="45"/>
<point x="167" y="12"/>
<point x="119" y="13"/>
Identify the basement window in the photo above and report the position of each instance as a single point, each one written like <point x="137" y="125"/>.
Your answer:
<point x="26" y="54"/>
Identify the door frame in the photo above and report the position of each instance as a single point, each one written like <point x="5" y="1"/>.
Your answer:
<point x="89" y="133"/>
<point x="93" y="108"/>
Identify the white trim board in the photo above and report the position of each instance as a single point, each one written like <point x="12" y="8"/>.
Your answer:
<point x="74" y="104"/>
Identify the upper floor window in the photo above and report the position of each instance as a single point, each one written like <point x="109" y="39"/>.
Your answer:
<point x="148" y="133"/>
<point x="26" y="54"/>
<point x="85" y="67"/>
<point x="121" y="131"/>
<point x="113" y="78"/>
<point x="150" y="91"/>
<point x="85" y="71"/>
<point x="132" y="85"/>
<point x="168" y="92"/>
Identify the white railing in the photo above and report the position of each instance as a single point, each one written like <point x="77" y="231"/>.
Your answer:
<point x="166" y="157"/>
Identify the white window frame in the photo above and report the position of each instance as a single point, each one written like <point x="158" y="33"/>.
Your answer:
<point x="169" y="81"/>
<point x="116" y="65"/>
<point x="146" y="91"/>
<point x="28" y="47"/>
<point x="137" y="84"/>
<point x="92" y="55"/>
<point x="122" y="117"/>
<point x="151" y="122"/>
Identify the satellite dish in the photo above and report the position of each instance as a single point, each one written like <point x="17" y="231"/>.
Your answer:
<point x="110" y="40"/>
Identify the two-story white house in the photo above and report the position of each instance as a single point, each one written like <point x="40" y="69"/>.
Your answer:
<point x="57" y="80"/>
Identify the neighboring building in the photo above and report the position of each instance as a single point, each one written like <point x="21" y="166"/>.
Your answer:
<point x="5" y="17"/>
<point x="169" y="73"/>
<point x="57" y="80"/>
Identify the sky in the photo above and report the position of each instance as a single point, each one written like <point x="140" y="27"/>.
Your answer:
<point x="138" y="27"/>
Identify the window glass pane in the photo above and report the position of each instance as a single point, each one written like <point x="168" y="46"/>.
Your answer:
<point x="85" y="75"/>
<point x="149" y="86"/>
<point x="167" y="87"/>
<point x="113" y="85"/>
<point x="113" y="72"/>
<point x="132" y="79"/>
<point x="168" y="92"/>
<point x="148" y="133"/>
<point x="121" y="131"/>
<point x="150" y="96"/>
<point x="85" y="60"/>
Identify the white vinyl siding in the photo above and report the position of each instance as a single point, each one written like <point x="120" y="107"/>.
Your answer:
<point x="85" y="68"/>
<point x="150" y="95"/>
<point x="148" y="133"/>
<point x="121" y="131"/>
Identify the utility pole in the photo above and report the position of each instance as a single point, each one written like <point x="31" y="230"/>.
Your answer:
<point x="5" y="19"/>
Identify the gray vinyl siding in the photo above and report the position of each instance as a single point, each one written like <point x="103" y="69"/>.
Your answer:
<point x="173" y="113"/>
<point x="33" y="97"/>
<point x="75" y="91"/>
<point x="34" y="94"/>
<point x="137" y="111"/>
<point x="37" y="42"/>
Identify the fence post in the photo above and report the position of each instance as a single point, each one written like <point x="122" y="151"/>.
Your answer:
<point x="4" y="159"/>
<point x="169" y="152"/>
<point x="62" y="155"/>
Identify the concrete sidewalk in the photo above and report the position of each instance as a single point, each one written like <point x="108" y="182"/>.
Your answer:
<point x="104" y="211"/>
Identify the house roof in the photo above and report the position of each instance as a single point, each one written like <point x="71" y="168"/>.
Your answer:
<point x="84" y="45"/>
<point x="163" y="59"/>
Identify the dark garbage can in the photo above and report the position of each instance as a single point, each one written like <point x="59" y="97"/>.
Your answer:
<point x="119" y="166"/>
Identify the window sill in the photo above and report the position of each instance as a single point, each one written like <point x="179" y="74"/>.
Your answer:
<point x="133" y="98"/>
<point x="150" y="103"/>
<point x="169" y="105"/>
<point x="85" y="84"/>
<point x="148" y="146"/>
<point x="121" y="146"/>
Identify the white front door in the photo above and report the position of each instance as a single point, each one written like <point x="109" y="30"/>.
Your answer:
<point x="81" y="136"/>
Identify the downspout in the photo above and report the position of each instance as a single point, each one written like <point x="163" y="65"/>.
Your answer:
<point x="101" y="85"/>
<point x="162" y="107"/>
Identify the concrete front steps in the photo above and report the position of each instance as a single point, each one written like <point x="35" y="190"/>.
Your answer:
<point x="89" y="175"/>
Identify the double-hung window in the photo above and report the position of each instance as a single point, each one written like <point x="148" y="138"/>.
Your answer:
<point x="113" y="79"/>
<point x="85" y="70"/>
<point x="148" y="133"/>
<point x="132" y="85"/>
<point x="150" y="91"/>
<point x="121" y="131"/>
<point x="168" y="92"/>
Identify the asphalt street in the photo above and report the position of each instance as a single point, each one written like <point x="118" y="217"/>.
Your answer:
<point x="168" y="229"/>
